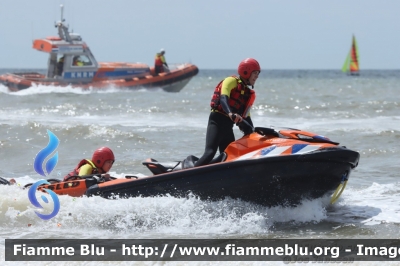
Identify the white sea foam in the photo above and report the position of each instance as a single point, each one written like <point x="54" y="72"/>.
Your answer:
<point x="190" y="216"/>
<point x="373" y="205"/>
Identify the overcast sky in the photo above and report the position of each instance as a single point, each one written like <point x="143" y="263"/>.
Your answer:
<point x="213" y="34"/>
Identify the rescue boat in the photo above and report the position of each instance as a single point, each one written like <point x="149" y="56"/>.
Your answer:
<point x="71" y="63"/>
<point x="269" y="167"/>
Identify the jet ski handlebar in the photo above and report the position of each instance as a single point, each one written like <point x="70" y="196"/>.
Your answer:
<point x="245" y="127"/>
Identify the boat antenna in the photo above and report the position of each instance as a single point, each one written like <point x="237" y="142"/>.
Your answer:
<point x="62" y="12"/>
<point x="32" y="31"/>
<point x="62" y="28"/>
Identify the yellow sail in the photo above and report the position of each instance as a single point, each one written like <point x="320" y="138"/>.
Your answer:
<point x="345" y="67"/>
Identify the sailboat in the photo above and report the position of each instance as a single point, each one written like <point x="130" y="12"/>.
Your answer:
<point x="351" y="65"/>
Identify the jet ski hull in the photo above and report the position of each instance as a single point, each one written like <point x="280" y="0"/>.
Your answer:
<point x="269" y="181"/>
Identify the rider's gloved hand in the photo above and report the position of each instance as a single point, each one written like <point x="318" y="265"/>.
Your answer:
<point x="245" y="127"/>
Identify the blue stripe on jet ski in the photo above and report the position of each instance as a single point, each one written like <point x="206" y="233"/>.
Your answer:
<point x="298" y="147"/>
<point x="321" y="137"/>
<point x="267" y="150"/>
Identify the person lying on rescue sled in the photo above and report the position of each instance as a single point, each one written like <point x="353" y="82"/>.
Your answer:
<point x="230" y="104"/>
<point x="4" y="181"/>
<point x="101" y="163"/>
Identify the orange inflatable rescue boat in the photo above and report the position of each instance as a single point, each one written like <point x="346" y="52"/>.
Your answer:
<point x="72" y="63"/>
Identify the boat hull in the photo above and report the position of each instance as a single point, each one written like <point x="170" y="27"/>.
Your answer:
<point x="173" y="81"/>
<point x="269" y="181"/>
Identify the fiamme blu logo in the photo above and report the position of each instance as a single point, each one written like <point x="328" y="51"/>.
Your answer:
<point x="39" y="164"/>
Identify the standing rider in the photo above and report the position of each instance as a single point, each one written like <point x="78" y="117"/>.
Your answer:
<point x="230" y="104"/>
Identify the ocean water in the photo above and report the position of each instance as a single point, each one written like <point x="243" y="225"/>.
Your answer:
<point x="362" y="113"/>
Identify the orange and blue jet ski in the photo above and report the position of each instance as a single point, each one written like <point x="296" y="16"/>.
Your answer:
<point x="268" y="167"/>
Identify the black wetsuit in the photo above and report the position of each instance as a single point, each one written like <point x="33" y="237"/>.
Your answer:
<point x="219" y="133"/>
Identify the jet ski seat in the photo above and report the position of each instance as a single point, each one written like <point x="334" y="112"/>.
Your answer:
<point x="159" y="168"/>
<point x="164" y="167"/>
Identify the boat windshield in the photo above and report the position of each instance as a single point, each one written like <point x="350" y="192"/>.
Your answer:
<point x="81" y="60"/>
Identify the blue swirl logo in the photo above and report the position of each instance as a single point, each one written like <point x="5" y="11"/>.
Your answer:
<point x="35" y="202"/>
<point x="50" y="165"/>
<point x="42" y="155"/>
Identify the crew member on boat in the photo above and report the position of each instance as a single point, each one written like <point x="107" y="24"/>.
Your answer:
<point x="77" y="61"/>
<point x="230" y="104"/>
<point x="159" y="62"/>
<point x="101" y="163"/>
<point x="60" y="66"/>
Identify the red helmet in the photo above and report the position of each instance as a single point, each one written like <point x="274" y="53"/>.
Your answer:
<point x="101" y="155"/>
<point x="247" y="66"/>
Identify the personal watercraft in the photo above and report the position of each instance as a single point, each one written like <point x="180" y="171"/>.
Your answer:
<point x="269" y="167"/>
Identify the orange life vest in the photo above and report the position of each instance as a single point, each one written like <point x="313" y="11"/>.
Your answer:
<point x="240" y="99"/>
<point x="75" y="172"/>
<point x="158" y="61"/>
